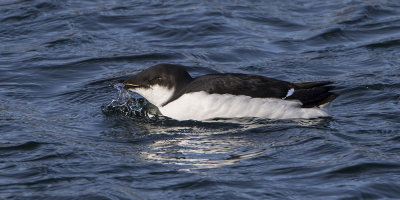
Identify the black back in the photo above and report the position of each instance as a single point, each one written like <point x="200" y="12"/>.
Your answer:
<point x="310" y="94"/>
<point x="237" y="84"/>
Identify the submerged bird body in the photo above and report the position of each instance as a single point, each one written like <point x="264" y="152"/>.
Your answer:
<point x="179" y="96"/>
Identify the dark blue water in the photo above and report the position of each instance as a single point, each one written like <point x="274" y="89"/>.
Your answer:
<point x="59" y="140"/>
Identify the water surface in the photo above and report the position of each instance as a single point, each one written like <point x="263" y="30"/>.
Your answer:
<point x="57" y="59"/>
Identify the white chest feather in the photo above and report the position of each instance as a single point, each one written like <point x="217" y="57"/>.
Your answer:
<point x="156" y="94"/>
<point x="202" y="106"/>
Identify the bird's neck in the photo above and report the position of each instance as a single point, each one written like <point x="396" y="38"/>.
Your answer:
<point x="156" y="95"/>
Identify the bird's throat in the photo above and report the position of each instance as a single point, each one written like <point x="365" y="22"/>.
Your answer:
<point x="156" y="94"/>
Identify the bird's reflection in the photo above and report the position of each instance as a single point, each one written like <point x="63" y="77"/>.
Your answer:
<point x="224" y="143"/>
<point x="201" y="151"/>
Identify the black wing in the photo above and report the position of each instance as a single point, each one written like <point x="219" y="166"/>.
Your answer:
<point x="236" y="84"/>
<point x="309" y="93"/>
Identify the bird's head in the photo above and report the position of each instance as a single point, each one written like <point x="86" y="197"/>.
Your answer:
<point x="158" y="83"/>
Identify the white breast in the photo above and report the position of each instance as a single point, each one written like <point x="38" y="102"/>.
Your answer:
<point x="202" y="106"/>
<point x="156" y="94"/>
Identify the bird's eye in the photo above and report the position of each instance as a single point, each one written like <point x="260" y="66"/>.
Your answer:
<point x="156" y="79"/>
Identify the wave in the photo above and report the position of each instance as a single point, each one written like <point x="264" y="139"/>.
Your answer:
<point x="27" y="146"/>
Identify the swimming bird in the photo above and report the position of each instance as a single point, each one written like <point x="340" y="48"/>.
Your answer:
<point x="228" y="95"/>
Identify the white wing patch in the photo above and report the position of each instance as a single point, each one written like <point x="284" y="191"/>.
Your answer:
<point x="289" y="93"/>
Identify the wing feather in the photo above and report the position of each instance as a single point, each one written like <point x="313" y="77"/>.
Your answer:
<point x="309" y="93"/>
<point x="237" y="84"/>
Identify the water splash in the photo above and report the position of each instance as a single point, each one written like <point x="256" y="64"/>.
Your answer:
<point x="129" y="106"/>
<point x="123" y="94"/>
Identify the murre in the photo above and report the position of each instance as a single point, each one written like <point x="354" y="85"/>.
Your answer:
<point x="179" y="96"/>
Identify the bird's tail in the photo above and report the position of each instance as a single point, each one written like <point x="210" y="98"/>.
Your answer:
<point x="313" y="94"/>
